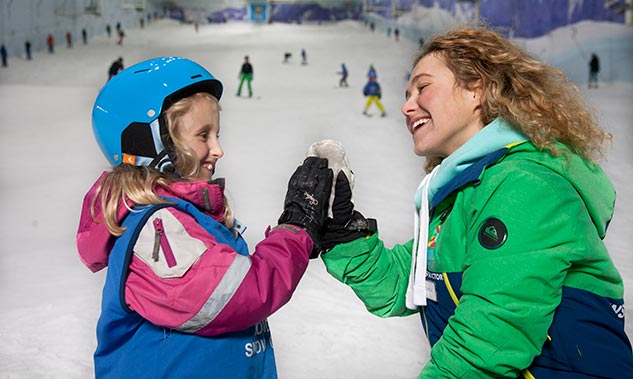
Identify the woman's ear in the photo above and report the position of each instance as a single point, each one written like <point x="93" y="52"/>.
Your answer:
<point x="478" y="91"/>
<point x="478" y="96"/>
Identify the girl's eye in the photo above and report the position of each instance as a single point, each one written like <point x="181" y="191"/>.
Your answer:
<point x="204" y="136"/>
<point x="421" y="87"/>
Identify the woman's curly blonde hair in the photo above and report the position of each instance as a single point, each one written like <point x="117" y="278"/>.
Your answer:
<point x="137" y="185"/>
<point x="533" y="96"/>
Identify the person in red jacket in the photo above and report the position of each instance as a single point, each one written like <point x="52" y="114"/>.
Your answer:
<point x="50" y="42"/>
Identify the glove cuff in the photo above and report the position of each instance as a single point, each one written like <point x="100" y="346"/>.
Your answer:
<point x="357" y="227"/>
<point x="293" y="228"/>
<point x="300" y="219"/>
<point x="357" y="222"/>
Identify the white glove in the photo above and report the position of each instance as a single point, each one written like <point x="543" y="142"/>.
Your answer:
<point x="334" y="152"/>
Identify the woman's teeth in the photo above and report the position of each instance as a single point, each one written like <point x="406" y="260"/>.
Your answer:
<point x="419" y="123"/>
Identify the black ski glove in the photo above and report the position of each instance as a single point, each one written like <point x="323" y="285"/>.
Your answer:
<point x="346" y="224"/>
<point x="306" y="202"/>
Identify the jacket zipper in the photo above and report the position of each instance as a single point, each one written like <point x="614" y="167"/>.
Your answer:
<point x="160" y="239"/>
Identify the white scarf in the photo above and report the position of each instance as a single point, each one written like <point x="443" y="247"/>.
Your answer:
<point x="416" y="291"/>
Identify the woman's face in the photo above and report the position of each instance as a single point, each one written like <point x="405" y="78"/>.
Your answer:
<point x="200" y="130"/>
<point x="440" y="116"/>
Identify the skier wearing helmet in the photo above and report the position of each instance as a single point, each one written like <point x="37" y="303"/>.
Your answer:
<point x="183" y="298"/>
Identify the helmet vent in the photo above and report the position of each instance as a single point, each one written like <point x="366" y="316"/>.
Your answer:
<point x="196" y="76"/>
<point x="144" y="70"/>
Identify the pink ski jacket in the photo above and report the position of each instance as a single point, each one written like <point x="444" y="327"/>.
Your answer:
<point x="182" y="278"/>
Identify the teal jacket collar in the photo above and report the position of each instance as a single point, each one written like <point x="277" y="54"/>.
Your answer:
<point x="493" y="137"/>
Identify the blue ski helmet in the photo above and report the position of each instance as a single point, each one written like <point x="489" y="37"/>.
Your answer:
<point x="126" y="117"/>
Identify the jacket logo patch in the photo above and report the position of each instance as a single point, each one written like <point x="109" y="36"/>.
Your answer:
<point x="493" y="233"/>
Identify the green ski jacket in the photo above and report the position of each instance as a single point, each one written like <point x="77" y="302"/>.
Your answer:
<point x="519" y="281"/>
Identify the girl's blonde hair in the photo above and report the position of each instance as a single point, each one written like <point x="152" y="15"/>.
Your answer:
<point x="533" y="96"/>
<point x="138" y="185"/>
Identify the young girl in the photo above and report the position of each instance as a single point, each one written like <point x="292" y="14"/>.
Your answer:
<point x="183" y="298"/>
<point x="507" y="267"/>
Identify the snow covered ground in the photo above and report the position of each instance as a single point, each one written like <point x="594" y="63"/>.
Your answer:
<point x="49" y="302"/>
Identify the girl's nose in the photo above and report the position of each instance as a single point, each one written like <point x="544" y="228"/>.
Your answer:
<point x="216" y="150"/>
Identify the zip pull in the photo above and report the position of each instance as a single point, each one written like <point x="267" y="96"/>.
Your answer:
<point x="158" y="231"/>
<point x="160" y="239"/>
<point x="446" y="212"/>
<point x="205" y="199"/>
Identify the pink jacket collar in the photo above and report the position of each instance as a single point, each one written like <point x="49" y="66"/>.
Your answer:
<point x="94" y="242"/>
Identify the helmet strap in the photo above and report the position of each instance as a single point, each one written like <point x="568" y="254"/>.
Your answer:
<point x="165" y="161"/>
<point x="163" y="164"/>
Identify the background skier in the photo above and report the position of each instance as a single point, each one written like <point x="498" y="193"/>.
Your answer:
<point x="594" y="70"/>
<point x="3" y="55"/>
<point x="246" y="75"/>
<point x="115" y="68"/>
<point x="343" y="73"/>
<point x="373" y="93"/>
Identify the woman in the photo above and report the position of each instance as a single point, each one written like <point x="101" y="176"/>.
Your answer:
<point x="507" y="267"/>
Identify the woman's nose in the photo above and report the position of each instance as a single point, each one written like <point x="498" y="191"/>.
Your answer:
<point x="409" y="106"/>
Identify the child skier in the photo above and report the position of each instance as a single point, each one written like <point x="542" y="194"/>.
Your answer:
<point x="373" y="93"/>
<point x="182" y="297"/>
